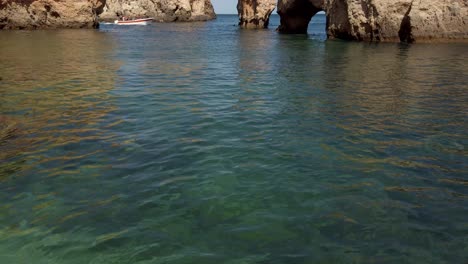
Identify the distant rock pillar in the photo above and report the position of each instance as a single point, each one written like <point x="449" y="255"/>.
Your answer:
<point x="295" y="15"/>
<point x="202" y="10"/>
<point x="255" y="13"/>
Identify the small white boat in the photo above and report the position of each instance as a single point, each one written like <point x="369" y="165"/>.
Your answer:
<point x="141" y="21"/>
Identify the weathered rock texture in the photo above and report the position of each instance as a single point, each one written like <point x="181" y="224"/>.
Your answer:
<point x="255" y="13"/>
<point x="161" y="10"/>
<point x="399" y="20"/>
<point x="441" y="19"/>
<point x="380" y="20"/>
<point x="34" y="14"/>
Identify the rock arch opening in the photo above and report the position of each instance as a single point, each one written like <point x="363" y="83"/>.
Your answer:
<point x="295" y="16"/>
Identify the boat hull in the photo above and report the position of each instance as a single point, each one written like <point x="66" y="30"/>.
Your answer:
<point x="144" y="21"/>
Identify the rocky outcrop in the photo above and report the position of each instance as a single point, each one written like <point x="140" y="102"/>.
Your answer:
<point x="45" y="14"/>
<point x="161" y="10"/>
<point x="380" y="20"/>
<point x="428" y="20"/>
<point x="401" y="20"/>
<point x="255" y="13"/>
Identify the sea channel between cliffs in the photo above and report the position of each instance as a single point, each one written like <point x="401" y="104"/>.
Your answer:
<point x="207" y="143"/>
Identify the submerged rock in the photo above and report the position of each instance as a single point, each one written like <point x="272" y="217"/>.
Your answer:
<point x="380" y="20"/>
<point x="255" y="13"/>
<point x="8" y="129"/>
<point x="161" y="10"/>
<point x="44" y="14"/>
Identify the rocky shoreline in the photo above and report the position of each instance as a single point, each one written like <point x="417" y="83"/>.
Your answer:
<point x="358" y="20"/>
<point x="52" y="14"/>
<point x="49" y="14"/>
<point x="161" y="11"/>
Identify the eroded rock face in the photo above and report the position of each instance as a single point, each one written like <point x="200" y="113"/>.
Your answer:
<point x="161" y="10"/>
<point x="255" y="13"/>
<point x="380" y="20"/>
<point x="44" y="14"/>
<point x="431" y="20"/>
<point x="399" y="20"/>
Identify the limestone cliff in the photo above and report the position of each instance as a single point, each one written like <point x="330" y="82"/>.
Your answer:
<point x="255" y="13"/>
<point x="161" y="10"/>
<point x="431" y="20"/>
<point x="380" y="20"/>
<point x="34" y="14"/>
<point x="399" y="20"/>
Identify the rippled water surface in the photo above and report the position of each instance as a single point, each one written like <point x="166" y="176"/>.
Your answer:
<point x="203" y="143"/>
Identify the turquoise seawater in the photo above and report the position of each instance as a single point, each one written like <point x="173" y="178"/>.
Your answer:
<point x="204" y="143"/>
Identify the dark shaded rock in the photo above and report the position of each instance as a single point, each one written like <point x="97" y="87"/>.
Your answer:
<point x="405" y="32"/>
<point x="296" y="14"/>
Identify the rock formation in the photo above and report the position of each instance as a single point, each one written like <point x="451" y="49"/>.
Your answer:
<point x="296" y="14"/>
<point x="255" y="13"/>
<point x="380" y="20"/>
<point x="402" y="20"/>
<point x="34" y="14"/>
<point x="442" y="19"/>
<point x="161" y="10"/>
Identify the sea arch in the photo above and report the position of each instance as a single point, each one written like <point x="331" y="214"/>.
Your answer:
<point x="295" y="15"/>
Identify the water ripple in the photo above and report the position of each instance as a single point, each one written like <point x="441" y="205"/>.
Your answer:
<point x="202" y="143"/>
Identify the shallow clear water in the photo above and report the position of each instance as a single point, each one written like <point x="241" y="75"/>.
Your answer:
<point x="203" y="143"/>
